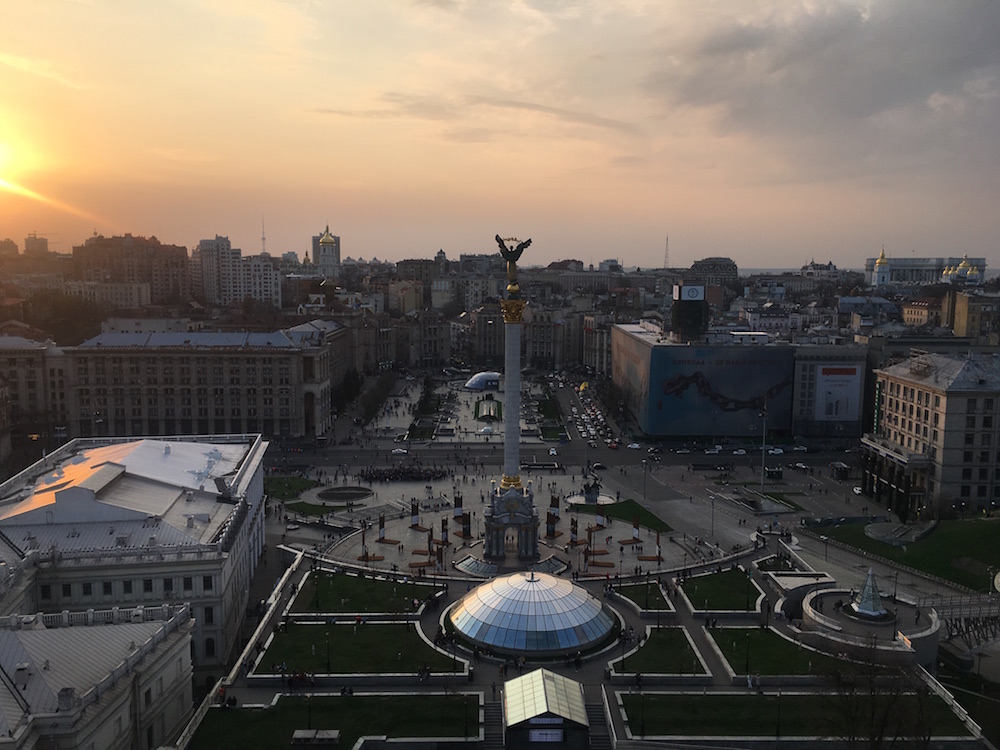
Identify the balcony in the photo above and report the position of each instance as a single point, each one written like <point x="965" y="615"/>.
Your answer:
<point x="896" y="453"/>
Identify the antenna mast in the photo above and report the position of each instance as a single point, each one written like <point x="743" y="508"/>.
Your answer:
<point x="263" y="236"/>
<point x="666" y="253"/>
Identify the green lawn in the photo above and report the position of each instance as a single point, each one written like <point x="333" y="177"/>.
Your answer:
<point x="728" y="590"/>
<point x="666" y="651"/>
<point x="628" y="511"/>
<point x="958" y="551"/>
<point x="287" y="488"/>
<point x="980" y="698"/>
<point x="354" y="716"/>
<point x="754" y="715"/>
<point x="769" y="653"/>
<point x="370" y="647"/>
<point x="645" y="595"/>
<point x="339" y="592"/>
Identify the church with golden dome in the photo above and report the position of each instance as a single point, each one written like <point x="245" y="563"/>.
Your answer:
<point x="888" y="270"/>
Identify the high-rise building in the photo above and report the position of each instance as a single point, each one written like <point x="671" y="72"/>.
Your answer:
<point x="133" y="260"/>
<point x="35" y="246"/>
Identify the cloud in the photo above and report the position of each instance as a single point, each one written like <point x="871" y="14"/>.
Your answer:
<point x="905" y="85"/>
<point x="442" y="108"/>
<point x="40" y="68"/>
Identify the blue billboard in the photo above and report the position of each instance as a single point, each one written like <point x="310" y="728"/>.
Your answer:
<point x="719" y="390"/>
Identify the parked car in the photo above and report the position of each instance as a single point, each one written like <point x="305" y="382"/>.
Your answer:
<point x="553" y="452"/>
<point x="399" y="451"/>
<point x="598" y="466"/>
<point x="857" y="490"/>
<point x="800" y="449"/>
<point x="633" y="446"/>
<point x="776" y="452"/>
<point x="739" y="452"/>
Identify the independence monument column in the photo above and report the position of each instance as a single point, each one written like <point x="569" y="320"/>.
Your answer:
<point x="512" y="506"/>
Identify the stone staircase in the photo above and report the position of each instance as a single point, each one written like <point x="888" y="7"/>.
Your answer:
<point x="600" y="737"/>
<point x="493" y="726"/>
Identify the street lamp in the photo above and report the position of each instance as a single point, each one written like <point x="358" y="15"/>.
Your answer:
<point x="328" y="652"/>
<point x="763" y="443"/>
<point x="713" y="517"/>
<point x="645" y="468"/>
<point x="748" y="656"/>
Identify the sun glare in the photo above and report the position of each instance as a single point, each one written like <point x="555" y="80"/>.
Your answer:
<point x="13" y="187"/>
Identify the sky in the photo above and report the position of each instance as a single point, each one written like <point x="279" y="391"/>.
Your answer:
<point x="773" y="133"/>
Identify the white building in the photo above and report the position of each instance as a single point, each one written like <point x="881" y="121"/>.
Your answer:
<point x="111" y="679"/>
<point x="109" y="522"/>
<point x="221" y="276"/>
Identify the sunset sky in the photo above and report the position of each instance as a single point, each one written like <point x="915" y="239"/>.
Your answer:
<point x="770" y="132"/>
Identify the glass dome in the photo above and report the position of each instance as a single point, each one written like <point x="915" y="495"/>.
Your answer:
<point x="532" y="613"/>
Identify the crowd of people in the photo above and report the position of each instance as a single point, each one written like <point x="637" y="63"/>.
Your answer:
<point x="402" y="474"/>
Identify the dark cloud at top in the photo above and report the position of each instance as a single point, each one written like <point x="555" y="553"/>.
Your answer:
<point x="906" y="85"/>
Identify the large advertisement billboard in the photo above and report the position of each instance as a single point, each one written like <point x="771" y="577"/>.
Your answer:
<point x="718" y="391"/>
<point x="630" y="368"/>
<point x="839" y="391"/>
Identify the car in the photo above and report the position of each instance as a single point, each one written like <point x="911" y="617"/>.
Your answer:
<point x="292" y="527"/>
<point x="801" y="466"/>
<point x="399" y="451"/>
<point x="553" y="452"/>
<point x="683" y="451"/>
<point x="653" y="450"/>
<point x="592" y="443"/>
<point x="711" y="451"/>
<point x="739" y="452"/>
<point x="800" y="449"/>
<point x="776" y="452"/>
<point x="613" y="445"/>
<point x="598" y="466"/>
<point x="633" y="446"/>
<point x="857" y="490"/>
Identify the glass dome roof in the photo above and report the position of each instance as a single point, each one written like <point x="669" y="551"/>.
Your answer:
<point x="532" y="613"/>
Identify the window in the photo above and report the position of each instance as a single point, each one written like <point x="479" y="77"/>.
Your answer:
<point x="188" y="583"/>
<point x="67" y="590"/>
<point x="46" y="591"/>
<point x="147" y="697"/>
<point x="88" y="589"/>
<point x="209" y="615"/>
<point x="168" y="585"/>
<point x="147" y="585"/>
<point x="126" y="587"/>
<point x="106" y="588"/>
<point x="970" y="405"/>
<point x="209" y="647"/>
<point x="206" y="583"/>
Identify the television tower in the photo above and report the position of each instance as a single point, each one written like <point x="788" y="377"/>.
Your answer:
<point x="666" y="253"/>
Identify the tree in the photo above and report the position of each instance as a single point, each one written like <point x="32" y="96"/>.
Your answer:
<point x="875" y="706"/>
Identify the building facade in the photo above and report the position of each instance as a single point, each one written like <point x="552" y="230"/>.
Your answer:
<point x="114" y="522"/>
<point x="935" y="447"/>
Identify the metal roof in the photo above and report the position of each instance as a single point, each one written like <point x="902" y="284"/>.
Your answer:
<point x="99" y="496"/>
<point x="53" y="659"/>
<point x="543" y="692"/>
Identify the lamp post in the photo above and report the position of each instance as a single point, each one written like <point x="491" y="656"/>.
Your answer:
<point x="763" y="443"/>
<point x="328" y="652"/>
<point x="645" y="471"/>
<point x="748" y="656"/>
<point x="713" y="517"/>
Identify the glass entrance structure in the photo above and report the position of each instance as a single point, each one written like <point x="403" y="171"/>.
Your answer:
<point x="532" y="614"/>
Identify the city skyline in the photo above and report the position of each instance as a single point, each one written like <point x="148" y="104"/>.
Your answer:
<point x="770" y="133"/>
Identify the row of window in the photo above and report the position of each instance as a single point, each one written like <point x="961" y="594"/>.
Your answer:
<point x="85" y="589"/>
